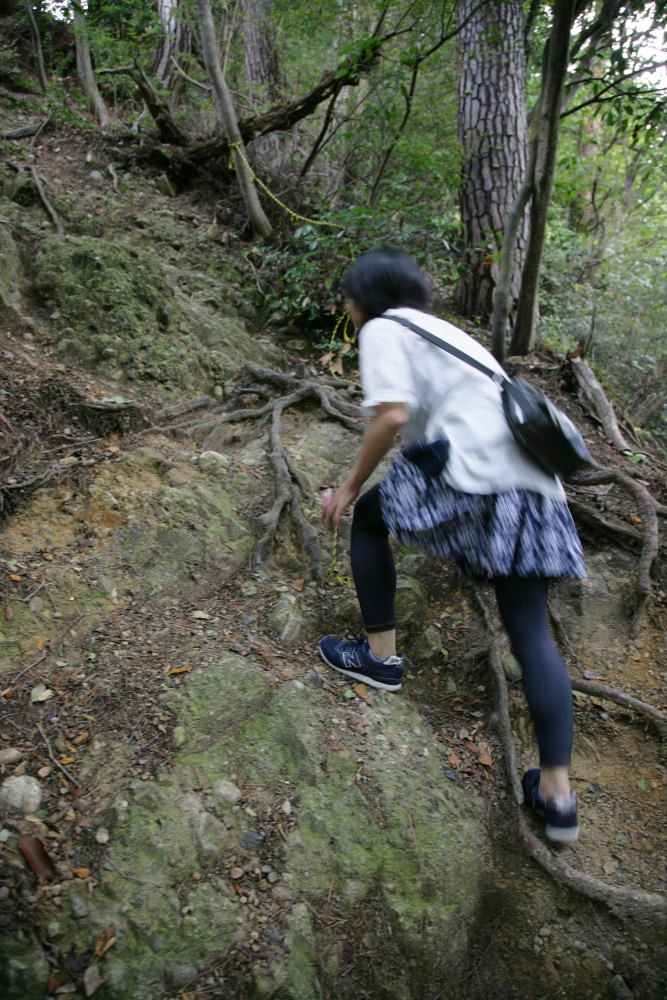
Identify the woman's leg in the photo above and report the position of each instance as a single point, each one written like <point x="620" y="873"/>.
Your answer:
<point x="374" y="573"/>
<point x="523" y="608"/>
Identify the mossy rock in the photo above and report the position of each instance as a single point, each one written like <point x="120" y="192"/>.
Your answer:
<point x="118" y="311"/>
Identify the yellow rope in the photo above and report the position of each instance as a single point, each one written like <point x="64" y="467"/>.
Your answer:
<point x="334" y="569"/>
<point x="237" y="147"/>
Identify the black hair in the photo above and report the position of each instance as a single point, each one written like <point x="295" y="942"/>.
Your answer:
<point x="386" y="278"/>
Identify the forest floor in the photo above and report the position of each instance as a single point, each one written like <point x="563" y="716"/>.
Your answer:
<point x="619" y="765"/>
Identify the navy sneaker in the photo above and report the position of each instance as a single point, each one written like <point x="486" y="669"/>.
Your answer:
<point x="559" y="812"/>
<point x="353" y="657"/>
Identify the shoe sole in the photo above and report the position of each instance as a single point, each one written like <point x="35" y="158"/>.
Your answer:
<point x="364" y="678"/>
<point x="562" y="834"/>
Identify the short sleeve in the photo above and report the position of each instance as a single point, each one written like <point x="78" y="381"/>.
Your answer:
<point x="386" y="373"/>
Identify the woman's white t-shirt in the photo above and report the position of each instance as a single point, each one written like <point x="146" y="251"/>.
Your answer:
<point x="446" y="398"/>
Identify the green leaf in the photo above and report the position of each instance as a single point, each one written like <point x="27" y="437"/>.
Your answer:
<point x="350" y="693"/>
<point x="641" y="785"/>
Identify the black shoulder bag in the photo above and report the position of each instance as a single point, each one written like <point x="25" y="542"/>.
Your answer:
<point x="543" y="431"/>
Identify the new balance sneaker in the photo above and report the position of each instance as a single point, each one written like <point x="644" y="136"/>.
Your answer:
<point x="559" y="812"/>
<point x="353" y="657"/>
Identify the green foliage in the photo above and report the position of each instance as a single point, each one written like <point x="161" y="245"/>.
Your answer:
<point x="301" y="278"/>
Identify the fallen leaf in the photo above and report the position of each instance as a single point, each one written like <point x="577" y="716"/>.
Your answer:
<point x="298" y="585"/>
<point x="35" y="853"/>
<point x="15" y="577"/>
<point x="179" y="670"/>
<point x="9" y="613"/>
<point x="105" y="947"/>
<point x="92" y="980"/>
<point x="40" y="643"/>
<point x="82" y="872"/>
<point x="453" y="760"/>
<point x="349" y="693"/>
<point x="361" y="690"/>
<point x="485" y="759"/>
<point x="200" y="614"/>
<point x="66" y="760"/>
<point x="40" y="692"/>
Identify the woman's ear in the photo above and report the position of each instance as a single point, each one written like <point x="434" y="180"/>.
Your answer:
<point x="355" y="313"/>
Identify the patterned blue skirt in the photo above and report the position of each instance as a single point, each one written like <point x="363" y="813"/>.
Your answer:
<point x="514" y="533"/>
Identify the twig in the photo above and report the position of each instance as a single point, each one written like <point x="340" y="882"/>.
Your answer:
<point x="51" y="212"/>
<point x="195" y="83"/>
<point x="133" y="878"/>
<point x="49" y="750"/>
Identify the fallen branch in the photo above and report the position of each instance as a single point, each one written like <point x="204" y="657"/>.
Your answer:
<point x="51" y="212"/>
<point x="594" y="395"/>
<point x="26" y="131"/>
<point x="650" y="508"/>
<point x="615" y="897"/>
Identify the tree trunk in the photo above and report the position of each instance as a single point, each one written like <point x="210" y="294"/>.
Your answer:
<point x="36" y="44"/>
<point x="262" y="71"/>
<point x="175" y="41"/>
<point x="84" y="66"/>
<point x="551" y="98"/>
<point x="224" y="107"/>
<point x="493" y="133"/>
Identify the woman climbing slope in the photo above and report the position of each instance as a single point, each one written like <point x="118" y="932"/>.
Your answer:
<point x="461" y="488"/>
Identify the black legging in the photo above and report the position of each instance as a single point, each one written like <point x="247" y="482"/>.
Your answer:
<point x="523" y="608"/>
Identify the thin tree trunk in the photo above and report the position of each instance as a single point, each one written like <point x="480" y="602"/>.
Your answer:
<point x="262" y="71"/>
<point x="36" y="44"/>
<point x="224" y="106"/>
<point x="553" y="82"/>
<point x="84" y="66"/>
<point x="493" y="133"/>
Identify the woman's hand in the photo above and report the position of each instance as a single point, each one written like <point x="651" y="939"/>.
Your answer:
<point x="377" y="440"/>
<point x="336" y="502"/>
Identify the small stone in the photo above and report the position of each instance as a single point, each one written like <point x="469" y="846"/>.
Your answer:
<point x="10" y="755"/>
<point x="236" y="873"/>
<point x="21" y="793"/>
<point x="102" y="836"/>
<point x="79" y="907"/>
<point x="226" y="790"/>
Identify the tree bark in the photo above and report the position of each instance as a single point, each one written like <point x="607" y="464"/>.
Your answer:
<point x="84" y="66"/>
<point x="262" y="71"/>
<point x="36" y="44"/>
<point x="553" y="80"/>
<point x="224" y="106"/>
<point x="493" y="133"/>
<point x="175" y="42"/>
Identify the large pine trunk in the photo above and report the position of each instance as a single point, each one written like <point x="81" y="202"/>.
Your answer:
<point x="493" y="134"/>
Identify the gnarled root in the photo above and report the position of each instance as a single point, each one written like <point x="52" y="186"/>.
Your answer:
<point x="211" y="429"/>
<point x="615" y="897"/>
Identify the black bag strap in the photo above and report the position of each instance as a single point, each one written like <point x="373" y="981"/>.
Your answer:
<point x="500" y="378"/>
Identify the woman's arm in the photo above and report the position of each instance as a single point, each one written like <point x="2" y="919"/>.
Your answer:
<point x="377" y="440"/>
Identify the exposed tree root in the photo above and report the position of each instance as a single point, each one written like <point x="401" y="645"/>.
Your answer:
<point x="654" y="715"/>
<point x="212" y="432"/>
<point x="594" y="396"/>
<point x="615" y="897"/>
<point x="650" y="530"/>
